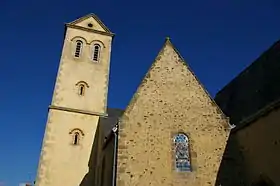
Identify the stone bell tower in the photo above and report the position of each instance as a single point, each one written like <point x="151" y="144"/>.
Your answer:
<point x="79" y="99"/>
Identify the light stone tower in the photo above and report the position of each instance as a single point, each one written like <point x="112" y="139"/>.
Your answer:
<point x="79" y="99"/>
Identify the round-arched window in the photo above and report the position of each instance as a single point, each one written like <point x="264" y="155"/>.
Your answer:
<point x="182" y="158"/>
<point x="78" y="48"/>
<point x="96" y="52"/>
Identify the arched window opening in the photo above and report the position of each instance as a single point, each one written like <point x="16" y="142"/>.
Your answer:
<point x="182" y="154"/>
<point x="96" y="52"/>
<point x="76" y="138"/>
<point x="81" y="89"/>
<point x="78" y="49"/>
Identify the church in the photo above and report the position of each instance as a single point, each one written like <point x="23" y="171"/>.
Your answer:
<point x="171" y="133"/>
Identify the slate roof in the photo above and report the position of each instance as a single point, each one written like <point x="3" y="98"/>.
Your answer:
<point x="107" y="123"/>
<point x="254" y="90"/>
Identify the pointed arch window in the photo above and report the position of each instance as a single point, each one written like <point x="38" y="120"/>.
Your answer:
<point x="182" y="153"/>
<point x="96" y="52"/>
<point x="78" y="48"/>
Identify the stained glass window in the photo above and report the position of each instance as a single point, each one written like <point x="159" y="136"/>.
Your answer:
<point x="182" y="157"/>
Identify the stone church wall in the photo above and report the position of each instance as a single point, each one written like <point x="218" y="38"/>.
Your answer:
<point x="169" y="101"/>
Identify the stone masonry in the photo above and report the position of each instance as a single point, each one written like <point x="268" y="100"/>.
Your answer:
<point x="169" y="100"/>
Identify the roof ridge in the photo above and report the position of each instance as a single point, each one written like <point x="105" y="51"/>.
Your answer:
<point x="256" y="60"/>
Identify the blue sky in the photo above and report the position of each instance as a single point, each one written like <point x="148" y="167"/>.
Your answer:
<point x="217" y="38"/>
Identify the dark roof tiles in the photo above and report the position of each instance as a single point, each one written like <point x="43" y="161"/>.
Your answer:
<point x="107" y="123"/>
<point x="254" y="88"/>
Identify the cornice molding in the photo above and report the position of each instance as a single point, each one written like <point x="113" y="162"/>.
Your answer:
<point x="78" y="111"/>
<point x="262" y="112"/>
<point x="95" y="17"/>
<point x="68" y="25"/>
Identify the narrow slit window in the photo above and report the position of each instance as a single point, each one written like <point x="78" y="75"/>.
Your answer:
<point x="76" y="138"/>
<point x="78" y="48"/>
<point x="96" y="52"/>
<point x="81" y="90"/>
<point x="182" y="154"/>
